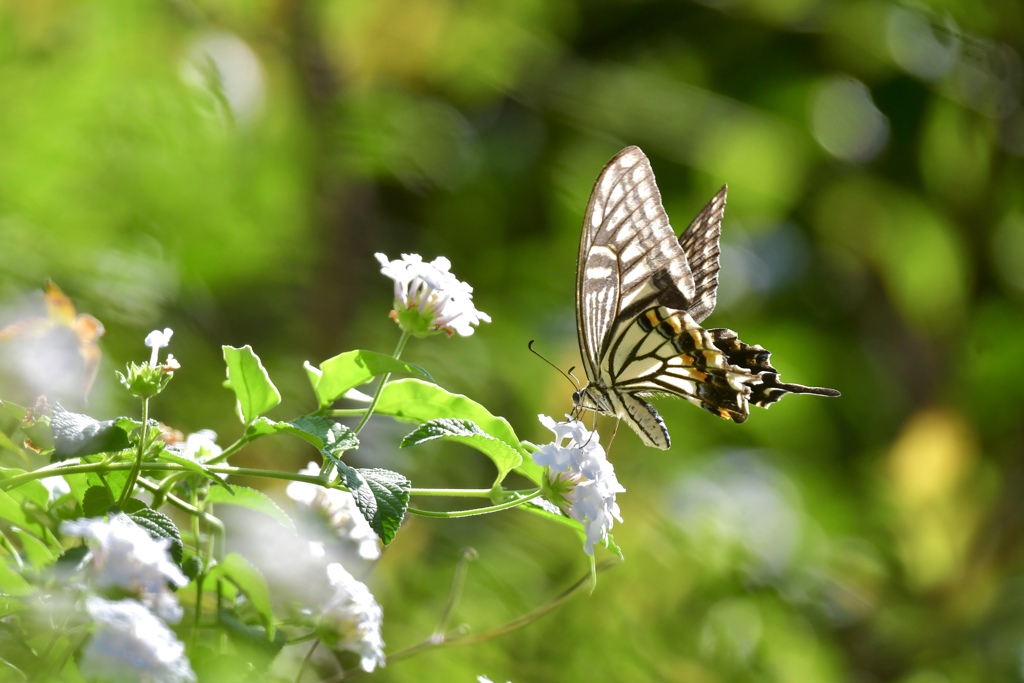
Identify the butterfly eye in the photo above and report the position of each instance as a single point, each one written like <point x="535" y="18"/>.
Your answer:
<point x="575" y="398"/>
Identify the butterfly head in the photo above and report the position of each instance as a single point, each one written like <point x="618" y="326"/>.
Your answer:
<point x="592" y="397"/>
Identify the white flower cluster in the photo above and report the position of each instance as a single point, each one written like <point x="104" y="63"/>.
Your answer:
<point x="131" y="644"/>
<point x="351" y="619"/>
<point x="580" y="478"/>
<point x="428" y="298"/>
<point x="131" y="641"/>
<point x="123" y="555"/>
<point x="338" y="509"/>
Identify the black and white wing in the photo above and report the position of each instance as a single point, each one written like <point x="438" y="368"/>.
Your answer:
<point x="700" y="244"/>
<point x="629" y="256"/>
<point x="641" y="294"/>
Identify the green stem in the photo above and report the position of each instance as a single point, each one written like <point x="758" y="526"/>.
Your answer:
<point x="456" y="514"/>
<point x="384" y="380"/>
<point x="133" y="476"/>
<point x="471" y="638"/>
<point x="305" y="661"/>
<point x="62" y="468"/>
<point x="239" y="443"/>
<point x="196" y="540"/>
<point x="455" y="592"/>
<point x="453" y="493"/>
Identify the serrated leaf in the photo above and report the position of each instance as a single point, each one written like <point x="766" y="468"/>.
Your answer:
<point x="248" y="580"/>
<point x="382" y="497"/>
<point x="351" y="369"/>
<point x="467" y="432"/>
<point x="133" y="505"/>
<point x="247" y="377"/>
<point x="115" y="481"/>
<point x="160" y="525"/>
<point x="252" y="500"/>
<point x="192" y="566"/>
<point x="412" y="400"/>
<point x="97" y="501"/>
<point x="76" y="435"/>
<point x="327" y="435"/>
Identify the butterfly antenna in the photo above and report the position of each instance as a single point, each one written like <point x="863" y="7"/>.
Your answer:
<point x="575" y="381"/>
<point x="568" y="376"/>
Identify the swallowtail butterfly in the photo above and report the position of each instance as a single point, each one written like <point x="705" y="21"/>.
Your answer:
<point x="641" y="294"/>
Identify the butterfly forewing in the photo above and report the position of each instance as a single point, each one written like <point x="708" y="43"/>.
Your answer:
<point x="700" y="244"/>
<point x="626" y="243"/>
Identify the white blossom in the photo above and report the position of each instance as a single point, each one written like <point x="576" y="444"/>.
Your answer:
<point x="201" y="445"/>
<point x="123" y="555"/>
<point x="351" y="619"/>
<point x="56" y="485"/>
<point x="131" y="644"/>
<point x="580" y="478"/>
<point x="157" y="340"/>
<point x="338" y="509"/>
<point x="428" y="298"/>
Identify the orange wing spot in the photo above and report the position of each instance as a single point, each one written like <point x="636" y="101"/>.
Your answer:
<point x="673" y="322"/>
<point x="652" y="317"/>
<point x="697" y="375"/>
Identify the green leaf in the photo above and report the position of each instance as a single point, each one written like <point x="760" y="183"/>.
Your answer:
<point x="504" y="456"/>
<point x="12" y="583"/>
<point x="352" y="369"/>
<point x="76" y="435"/>
<point x="38" y="553"/>
<point x="382" y="496"/>
<point x="327" y="435"/>
<point x="33" y="491"/>
<point x="115" y="481"/>
<point x="251" y="499"/>
<point x="97" y="501"/>
<point x="253" y="641"/>
<point x="160" y="525"/>
<point x="8" y="445"/>
<point x="237" y="570"/>
<point x="254" y="391"/>
<point x="528" y="468"/>
<point x="412" y="400"/>
<point x="10" y="510"/>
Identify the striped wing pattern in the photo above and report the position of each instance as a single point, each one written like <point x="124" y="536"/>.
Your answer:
<point x="640" y="296"/>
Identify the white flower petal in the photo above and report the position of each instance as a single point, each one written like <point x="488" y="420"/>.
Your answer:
<point x="123" y="555"/>
<point x="351" y="619"/>
<point x="131" y="644"/>
<point x="581" y="469"/>
<point x="444" y="302"/>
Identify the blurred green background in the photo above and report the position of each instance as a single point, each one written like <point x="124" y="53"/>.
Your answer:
<point x="228" y="168"/>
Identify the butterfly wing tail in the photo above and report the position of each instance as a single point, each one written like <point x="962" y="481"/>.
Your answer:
<point x="767" y="387"/>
